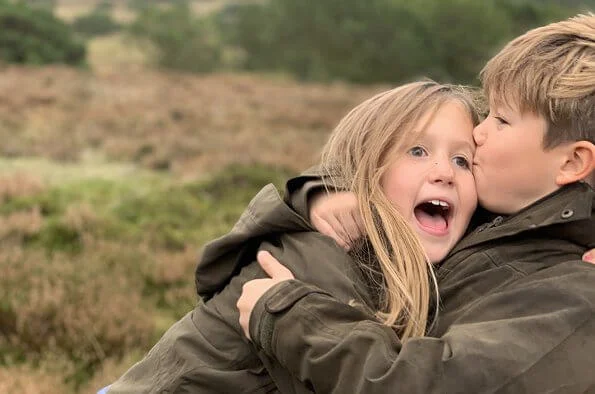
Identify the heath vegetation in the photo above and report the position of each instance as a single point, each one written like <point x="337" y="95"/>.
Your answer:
<point x="135" y="131"/>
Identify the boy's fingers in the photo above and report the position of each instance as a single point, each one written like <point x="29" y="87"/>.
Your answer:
<point x="357" y="218"/>
<point x="589" y="257"/>
<point x="272" y="266"/>
<point x="324" y="227"/>
<point x="251" y="293"/>
<point x="338" y="227"/>
<point x="351" y="227"/>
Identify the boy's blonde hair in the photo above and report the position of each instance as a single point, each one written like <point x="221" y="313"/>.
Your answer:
<point x="356" y="157"/>
<point x="549" y="71"/>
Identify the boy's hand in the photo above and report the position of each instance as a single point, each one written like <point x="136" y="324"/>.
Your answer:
<point x="337" y="215"/>
<point x="254" y="289"/>
<point x="589" y="257"/>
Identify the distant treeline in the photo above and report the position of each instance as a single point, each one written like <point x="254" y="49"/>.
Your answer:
<point x="359" y="41"/>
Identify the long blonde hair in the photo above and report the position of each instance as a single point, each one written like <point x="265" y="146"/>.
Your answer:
<point x="355" y="158"/>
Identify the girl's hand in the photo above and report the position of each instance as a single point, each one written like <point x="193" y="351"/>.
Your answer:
<point x="337" y="215"/>
<point x="589" y="257"/>
<point x="254" y="289"/>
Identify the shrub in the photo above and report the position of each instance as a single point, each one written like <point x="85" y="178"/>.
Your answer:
<point x="332" y="39"/>
<point x="181" y="40"/>
<point x="95" y="23"/>
<point x="464" y="34"/>
<point x="378" y="40"/>
<point x="32" y="35"/>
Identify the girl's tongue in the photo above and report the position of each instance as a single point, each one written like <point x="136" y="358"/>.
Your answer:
<point x="432" y="219"/>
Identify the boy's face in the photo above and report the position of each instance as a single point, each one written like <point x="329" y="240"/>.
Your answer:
<point x="431" y="184"/>
<point x="511" y="168"/>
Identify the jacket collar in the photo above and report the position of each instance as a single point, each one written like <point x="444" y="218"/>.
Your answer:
<point x="566" y="213"/>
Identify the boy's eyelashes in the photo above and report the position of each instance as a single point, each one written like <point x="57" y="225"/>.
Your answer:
<point x="500" y="120"/>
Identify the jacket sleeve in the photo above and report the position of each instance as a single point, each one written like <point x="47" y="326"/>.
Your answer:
<point x="206" y="351"/>
<point x="535" y="336"/>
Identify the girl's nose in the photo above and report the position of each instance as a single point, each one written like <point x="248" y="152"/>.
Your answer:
<point x="442" y="172"/>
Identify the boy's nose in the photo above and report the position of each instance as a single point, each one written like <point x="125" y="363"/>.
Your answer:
<point x="479" y="134"/>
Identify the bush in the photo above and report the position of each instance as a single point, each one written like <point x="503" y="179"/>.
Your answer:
<point x="333" y="39"/>
<point x="96" y="23"/>
<point x="181" y="40"/>
<point x="465" y="34"/>
<point x="34" y="36"/>
<point x="378" y="40"/>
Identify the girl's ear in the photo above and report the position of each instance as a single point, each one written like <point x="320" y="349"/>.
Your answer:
<point x="578" y="164"/>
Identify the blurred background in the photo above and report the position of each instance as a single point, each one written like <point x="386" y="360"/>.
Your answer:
<point x="134" y="131"/>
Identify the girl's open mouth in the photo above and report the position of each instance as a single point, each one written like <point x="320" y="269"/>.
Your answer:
<point x="433" y="216"/>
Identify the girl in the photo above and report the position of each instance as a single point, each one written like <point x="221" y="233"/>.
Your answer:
<point x="406" y="155"/>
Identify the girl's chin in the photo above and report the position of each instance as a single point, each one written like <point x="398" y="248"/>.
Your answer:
<point x="436" y="256"/>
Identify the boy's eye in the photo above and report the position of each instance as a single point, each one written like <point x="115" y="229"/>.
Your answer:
<point x="462" y="162"/>
<point x="500" y="120"/>
<point x="417" y="151"/>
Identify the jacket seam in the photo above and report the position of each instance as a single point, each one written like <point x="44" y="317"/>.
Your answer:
<point x="252" y="216"/>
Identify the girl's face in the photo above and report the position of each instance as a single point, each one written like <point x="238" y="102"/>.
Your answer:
<point x="432" y="185"/>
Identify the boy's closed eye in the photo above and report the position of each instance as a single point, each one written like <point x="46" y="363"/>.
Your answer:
<point x="501" y="120"/>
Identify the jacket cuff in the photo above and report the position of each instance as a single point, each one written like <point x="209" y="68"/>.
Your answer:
<point x="274" y="302"/>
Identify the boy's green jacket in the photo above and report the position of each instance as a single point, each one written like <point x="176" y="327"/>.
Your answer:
<point x="516" y="314"/>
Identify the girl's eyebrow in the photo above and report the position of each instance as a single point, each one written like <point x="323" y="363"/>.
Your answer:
<point x="461" y="144"/>
<point x="458" y="143"/>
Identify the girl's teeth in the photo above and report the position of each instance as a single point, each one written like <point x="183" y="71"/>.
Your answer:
<point x="440" y="203"/>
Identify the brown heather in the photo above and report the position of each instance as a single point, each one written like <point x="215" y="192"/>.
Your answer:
<point x="185" y="123"/>
<point x="84" y="293"/>
<point x="65" y="305"/>
<point x="19" y="185"/>
<point x="25" y="380"/>
<point x="19" y="225"/>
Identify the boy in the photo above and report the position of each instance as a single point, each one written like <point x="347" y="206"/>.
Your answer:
<point x="517" y="306"/>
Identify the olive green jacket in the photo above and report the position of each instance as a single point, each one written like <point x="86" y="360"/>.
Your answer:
<point x="517" y="315"/>
<point x="206" y="351"/>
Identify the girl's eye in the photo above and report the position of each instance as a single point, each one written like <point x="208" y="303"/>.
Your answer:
<point x="417" y="151"/>
<point x="462" y="162"/>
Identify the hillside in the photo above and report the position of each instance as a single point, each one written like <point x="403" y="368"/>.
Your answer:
<point x="188" y="125"/>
